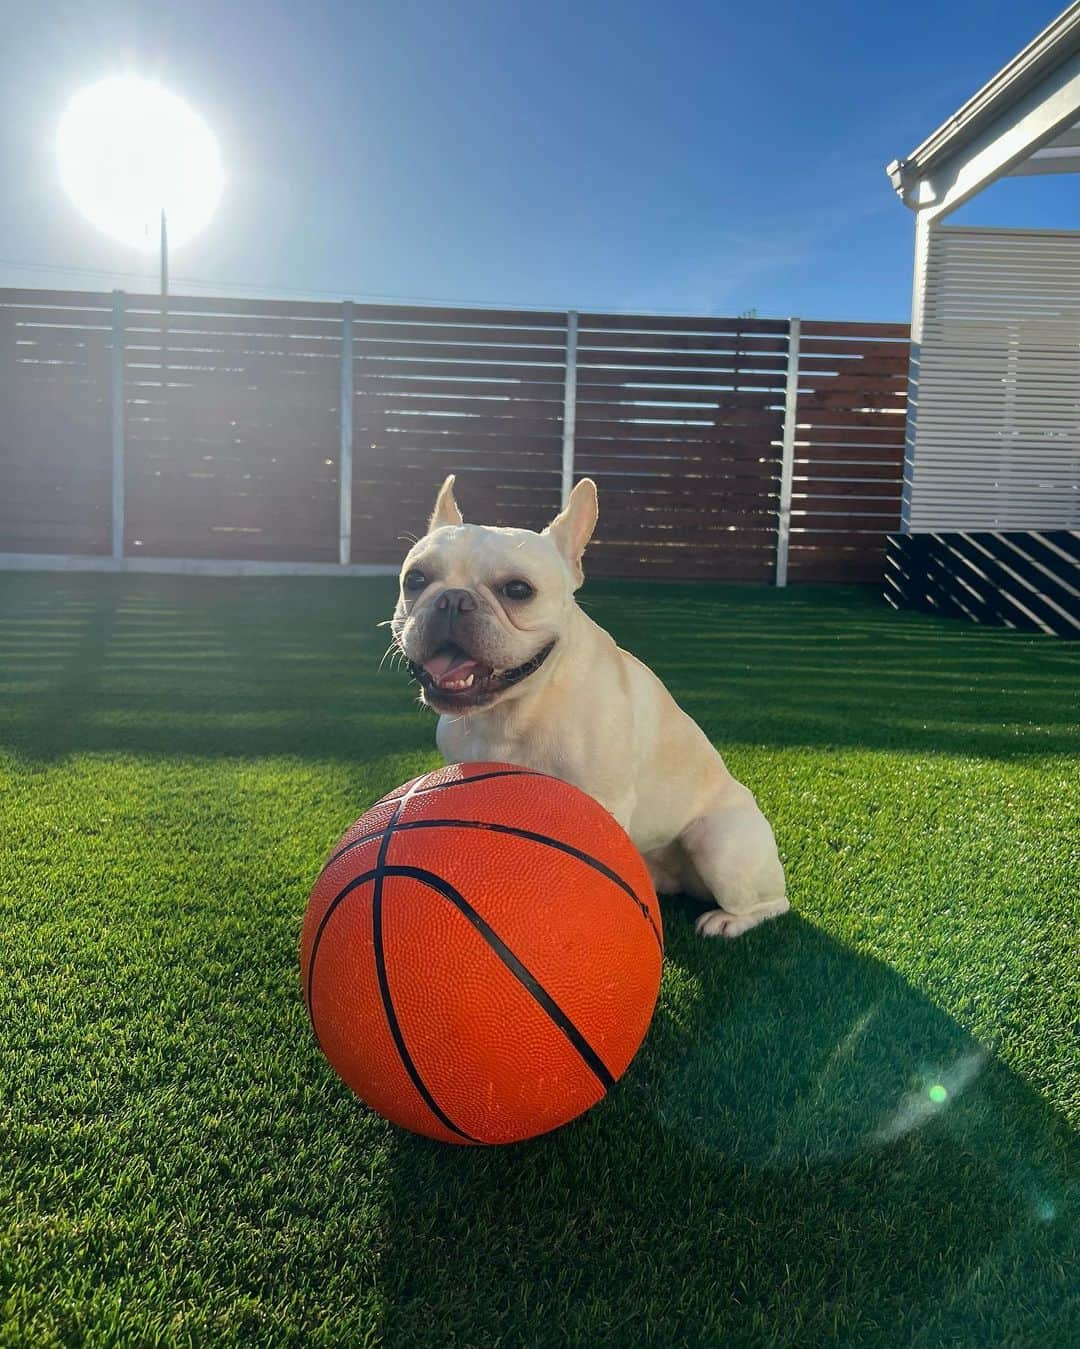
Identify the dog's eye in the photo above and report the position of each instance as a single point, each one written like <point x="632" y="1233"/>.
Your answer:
<point x="415" y="581"/>
<point x="518" y="590"/>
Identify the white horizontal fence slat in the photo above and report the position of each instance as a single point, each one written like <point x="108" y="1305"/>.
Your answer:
<point x="569" y="408"/>
<point x="787" y="463"/>
<point x="996" y="401"/>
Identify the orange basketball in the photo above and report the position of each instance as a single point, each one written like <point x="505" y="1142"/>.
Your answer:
<point x="481" y="954"/>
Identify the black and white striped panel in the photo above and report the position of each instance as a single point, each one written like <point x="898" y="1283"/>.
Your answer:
<point x="1029" y="581"/>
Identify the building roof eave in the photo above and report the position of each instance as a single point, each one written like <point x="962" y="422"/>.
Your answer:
<point x="1059" y="41"/>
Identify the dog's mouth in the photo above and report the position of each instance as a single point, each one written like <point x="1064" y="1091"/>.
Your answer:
<point x="452" y="678"/>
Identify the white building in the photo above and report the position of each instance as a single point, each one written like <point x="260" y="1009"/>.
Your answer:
<point x="991" y="503"/>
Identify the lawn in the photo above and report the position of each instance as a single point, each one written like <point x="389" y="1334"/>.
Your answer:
<point x="851" y="1126"/>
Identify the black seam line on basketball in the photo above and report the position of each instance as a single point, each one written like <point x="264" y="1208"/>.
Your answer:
<point x="405" y="1058"/>
<point x="384" y="982"/>
<point x="417" y="789"/>
<point x="524" y="976"/>
<point x="478" y="777"/>
<point x="376" y="875"/>
<point x="515" y="832"/>
<point x="438" y="787"/>
<point x="342" y="894"/>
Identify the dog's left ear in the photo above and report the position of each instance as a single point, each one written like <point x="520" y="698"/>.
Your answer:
<point x="446" y="510"/>
<point x="571" y="530"/>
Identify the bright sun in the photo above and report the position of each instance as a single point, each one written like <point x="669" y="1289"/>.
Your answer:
<point x="129" y="149"/>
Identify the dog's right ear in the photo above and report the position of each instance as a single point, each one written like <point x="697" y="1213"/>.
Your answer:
<point x="446" y="510"/>
<point x="572" y="529"/>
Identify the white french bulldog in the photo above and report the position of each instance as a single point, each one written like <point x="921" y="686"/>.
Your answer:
<point x="488" y="623"/>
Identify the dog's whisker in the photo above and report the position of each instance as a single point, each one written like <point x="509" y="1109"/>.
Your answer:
<point x="394" y="652"/>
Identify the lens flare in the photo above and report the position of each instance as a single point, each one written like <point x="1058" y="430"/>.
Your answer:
<point x="129" y="149"/>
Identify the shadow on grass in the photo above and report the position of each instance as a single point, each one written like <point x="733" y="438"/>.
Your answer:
<point x="806" y="1151"/>
<point x="251" y="668"/>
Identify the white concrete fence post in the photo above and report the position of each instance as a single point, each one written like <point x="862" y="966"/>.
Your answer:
<point x="787" y="462"/>
<point x="117" y="397"/>
<point x="925" y="240"/>
<point x="569" y="406"/>
<point x="345" y="448"/>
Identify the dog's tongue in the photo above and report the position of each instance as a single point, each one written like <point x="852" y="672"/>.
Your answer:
<point x="450" y="661"/>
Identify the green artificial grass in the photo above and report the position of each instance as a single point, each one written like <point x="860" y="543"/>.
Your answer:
<point x="851" y="1126"/>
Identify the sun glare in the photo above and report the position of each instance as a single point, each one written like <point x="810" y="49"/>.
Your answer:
<point x="129" y="149"/>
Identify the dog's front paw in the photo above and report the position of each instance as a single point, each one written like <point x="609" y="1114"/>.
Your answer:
<point x="720" y="923"/>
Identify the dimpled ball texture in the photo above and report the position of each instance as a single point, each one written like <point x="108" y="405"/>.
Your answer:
<point x="481" y="954"/>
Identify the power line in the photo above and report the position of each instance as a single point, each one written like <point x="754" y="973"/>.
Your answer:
<point x="247" y="287"/>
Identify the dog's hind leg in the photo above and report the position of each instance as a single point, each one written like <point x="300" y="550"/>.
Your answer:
<point x="733" y="851"/>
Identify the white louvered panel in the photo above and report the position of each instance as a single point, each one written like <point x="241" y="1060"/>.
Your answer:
<point x="996" y="383"/>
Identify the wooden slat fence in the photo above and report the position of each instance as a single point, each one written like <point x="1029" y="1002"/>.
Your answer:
<point x="679" y="421"/>
<point x="478" y="393"/>
<point x="55" y="417"/>
<point x="849" y="449"/>
<point x="233" y="444"/>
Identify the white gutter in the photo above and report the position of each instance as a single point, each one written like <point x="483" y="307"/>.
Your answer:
<point x="1054" y="45"/>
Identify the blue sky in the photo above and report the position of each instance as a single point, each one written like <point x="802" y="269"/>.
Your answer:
<point x="688" y="156"/>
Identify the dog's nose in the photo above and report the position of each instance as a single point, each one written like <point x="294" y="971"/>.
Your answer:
<point x="457" y="602"/>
